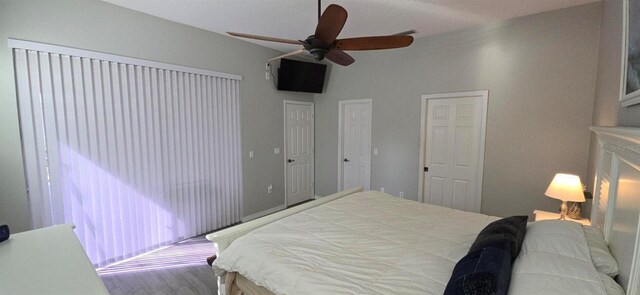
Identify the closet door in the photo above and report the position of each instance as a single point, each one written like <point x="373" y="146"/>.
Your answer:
<point x="454" y="145"/>
<point x="299" y="151"/>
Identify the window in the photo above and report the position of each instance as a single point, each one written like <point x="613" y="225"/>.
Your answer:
<point x="136" y="154"/>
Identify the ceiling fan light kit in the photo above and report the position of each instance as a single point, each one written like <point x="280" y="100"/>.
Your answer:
<point x="316" y="47"/>
<point x="323" y="43"/>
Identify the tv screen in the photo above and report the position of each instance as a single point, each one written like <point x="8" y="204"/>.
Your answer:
<point x="301" y="76"/>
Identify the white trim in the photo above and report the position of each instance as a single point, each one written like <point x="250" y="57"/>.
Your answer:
<point x="597" y="187"/>
<point x="614" y="177"/>
<point x="484" y="94"/>
<point x="29" y="45"/>
<point x="341" y="105"/>
<point x="630" y="101"/>
<point x="313" y="149"/>
<point x="263" y="213"/>
<point x="423" y="129"/>
<point x="631" y="134"/>
<point x="623" y="54"/>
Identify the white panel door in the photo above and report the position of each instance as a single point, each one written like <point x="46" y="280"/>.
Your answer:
<point x="355" y="159"/>
<point x="298" y="152"/>
<point x="453" y="152"/>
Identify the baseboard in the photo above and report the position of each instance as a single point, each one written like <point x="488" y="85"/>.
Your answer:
<point x="317" y="197"/>
<point x="263" y="213"/>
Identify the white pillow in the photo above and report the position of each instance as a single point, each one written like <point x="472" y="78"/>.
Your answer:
<point x="602" y="258"/>
<point x="611" y="286"/>
<point x="555" y="259"/>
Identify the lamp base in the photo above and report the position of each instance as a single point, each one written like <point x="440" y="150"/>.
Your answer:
<point x="574" y="210"/>
<point x="563" y="211"/>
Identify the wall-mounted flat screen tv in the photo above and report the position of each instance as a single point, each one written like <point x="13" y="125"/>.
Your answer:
<point x="301" y="76"/>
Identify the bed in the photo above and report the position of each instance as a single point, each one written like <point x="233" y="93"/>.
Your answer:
<point x="356" y="242"/>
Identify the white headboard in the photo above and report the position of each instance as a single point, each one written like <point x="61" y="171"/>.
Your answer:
<point x="616" y="201"/>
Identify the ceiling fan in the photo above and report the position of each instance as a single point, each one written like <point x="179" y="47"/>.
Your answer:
<point x="323" y="43"/>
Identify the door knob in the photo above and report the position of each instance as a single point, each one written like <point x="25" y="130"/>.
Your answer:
<point x="289" y="161"/>
<point x="346" y="160"/>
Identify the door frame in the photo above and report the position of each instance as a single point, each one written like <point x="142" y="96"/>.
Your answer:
<point x="484" y="94"/>
<point x="313" y="153"/>
<point x="341" y="105"/>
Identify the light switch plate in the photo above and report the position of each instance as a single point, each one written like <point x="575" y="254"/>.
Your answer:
<point x="250" y="154"/>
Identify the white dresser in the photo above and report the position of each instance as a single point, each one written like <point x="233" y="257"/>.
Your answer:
<point x="47" y="261"/>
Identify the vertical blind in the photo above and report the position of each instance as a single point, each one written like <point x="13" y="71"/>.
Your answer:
<point x="136" y="154"/>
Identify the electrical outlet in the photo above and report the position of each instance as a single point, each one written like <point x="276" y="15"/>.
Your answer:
<point x="375" y="152"/>
<point x="250" y="154"/>
<point x="267" y="69"/>
<point x="401" y="195"/>
<point x="276" y="151"/>
<point x="382" y="189"/>
<point x="270" y="189"/>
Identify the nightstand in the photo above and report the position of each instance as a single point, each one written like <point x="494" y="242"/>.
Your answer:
<point x="544" y="215"/>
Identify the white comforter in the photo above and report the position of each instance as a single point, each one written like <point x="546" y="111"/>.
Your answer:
<point x="374" y="243"/>
<point x="365" y="243"/>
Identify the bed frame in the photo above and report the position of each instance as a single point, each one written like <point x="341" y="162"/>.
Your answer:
<point x="615" y="210"/>
<point x="616" y="201"/>
<point x="235" y="284"/>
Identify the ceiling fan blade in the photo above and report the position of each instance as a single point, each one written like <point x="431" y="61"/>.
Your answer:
<point x="406" y="33"/>
<point x="331" y="23"/>
<point x="374" y="42"/>
<point x="264" y="38"/>
<point x="288" y="54"/>
<point x="340" y="57"/>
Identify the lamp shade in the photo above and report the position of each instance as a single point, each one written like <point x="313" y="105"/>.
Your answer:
<point x="566" y="187"/>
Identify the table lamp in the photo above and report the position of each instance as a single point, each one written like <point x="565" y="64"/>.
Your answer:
<point x="565" y="187"/>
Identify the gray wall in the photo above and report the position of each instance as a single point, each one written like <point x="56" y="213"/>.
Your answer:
<point x="607" y="110"/>
<point x="98" y="26"/>
<point x="540" y="71"/>
<point x="606" y="105"/>
<point x="609" y="77"/>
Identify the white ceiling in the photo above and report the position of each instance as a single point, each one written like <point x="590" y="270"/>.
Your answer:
<point x="296" y="19"/>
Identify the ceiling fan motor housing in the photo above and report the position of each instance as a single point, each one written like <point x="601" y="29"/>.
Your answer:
<point x="316" y="47"/>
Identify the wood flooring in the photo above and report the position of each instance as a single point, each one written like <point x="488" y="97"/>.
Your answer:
<point x="177" y="269"/>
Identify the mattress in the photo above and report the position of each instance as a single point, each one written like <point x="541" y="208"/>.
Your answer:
<point x="364" y="243"/>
